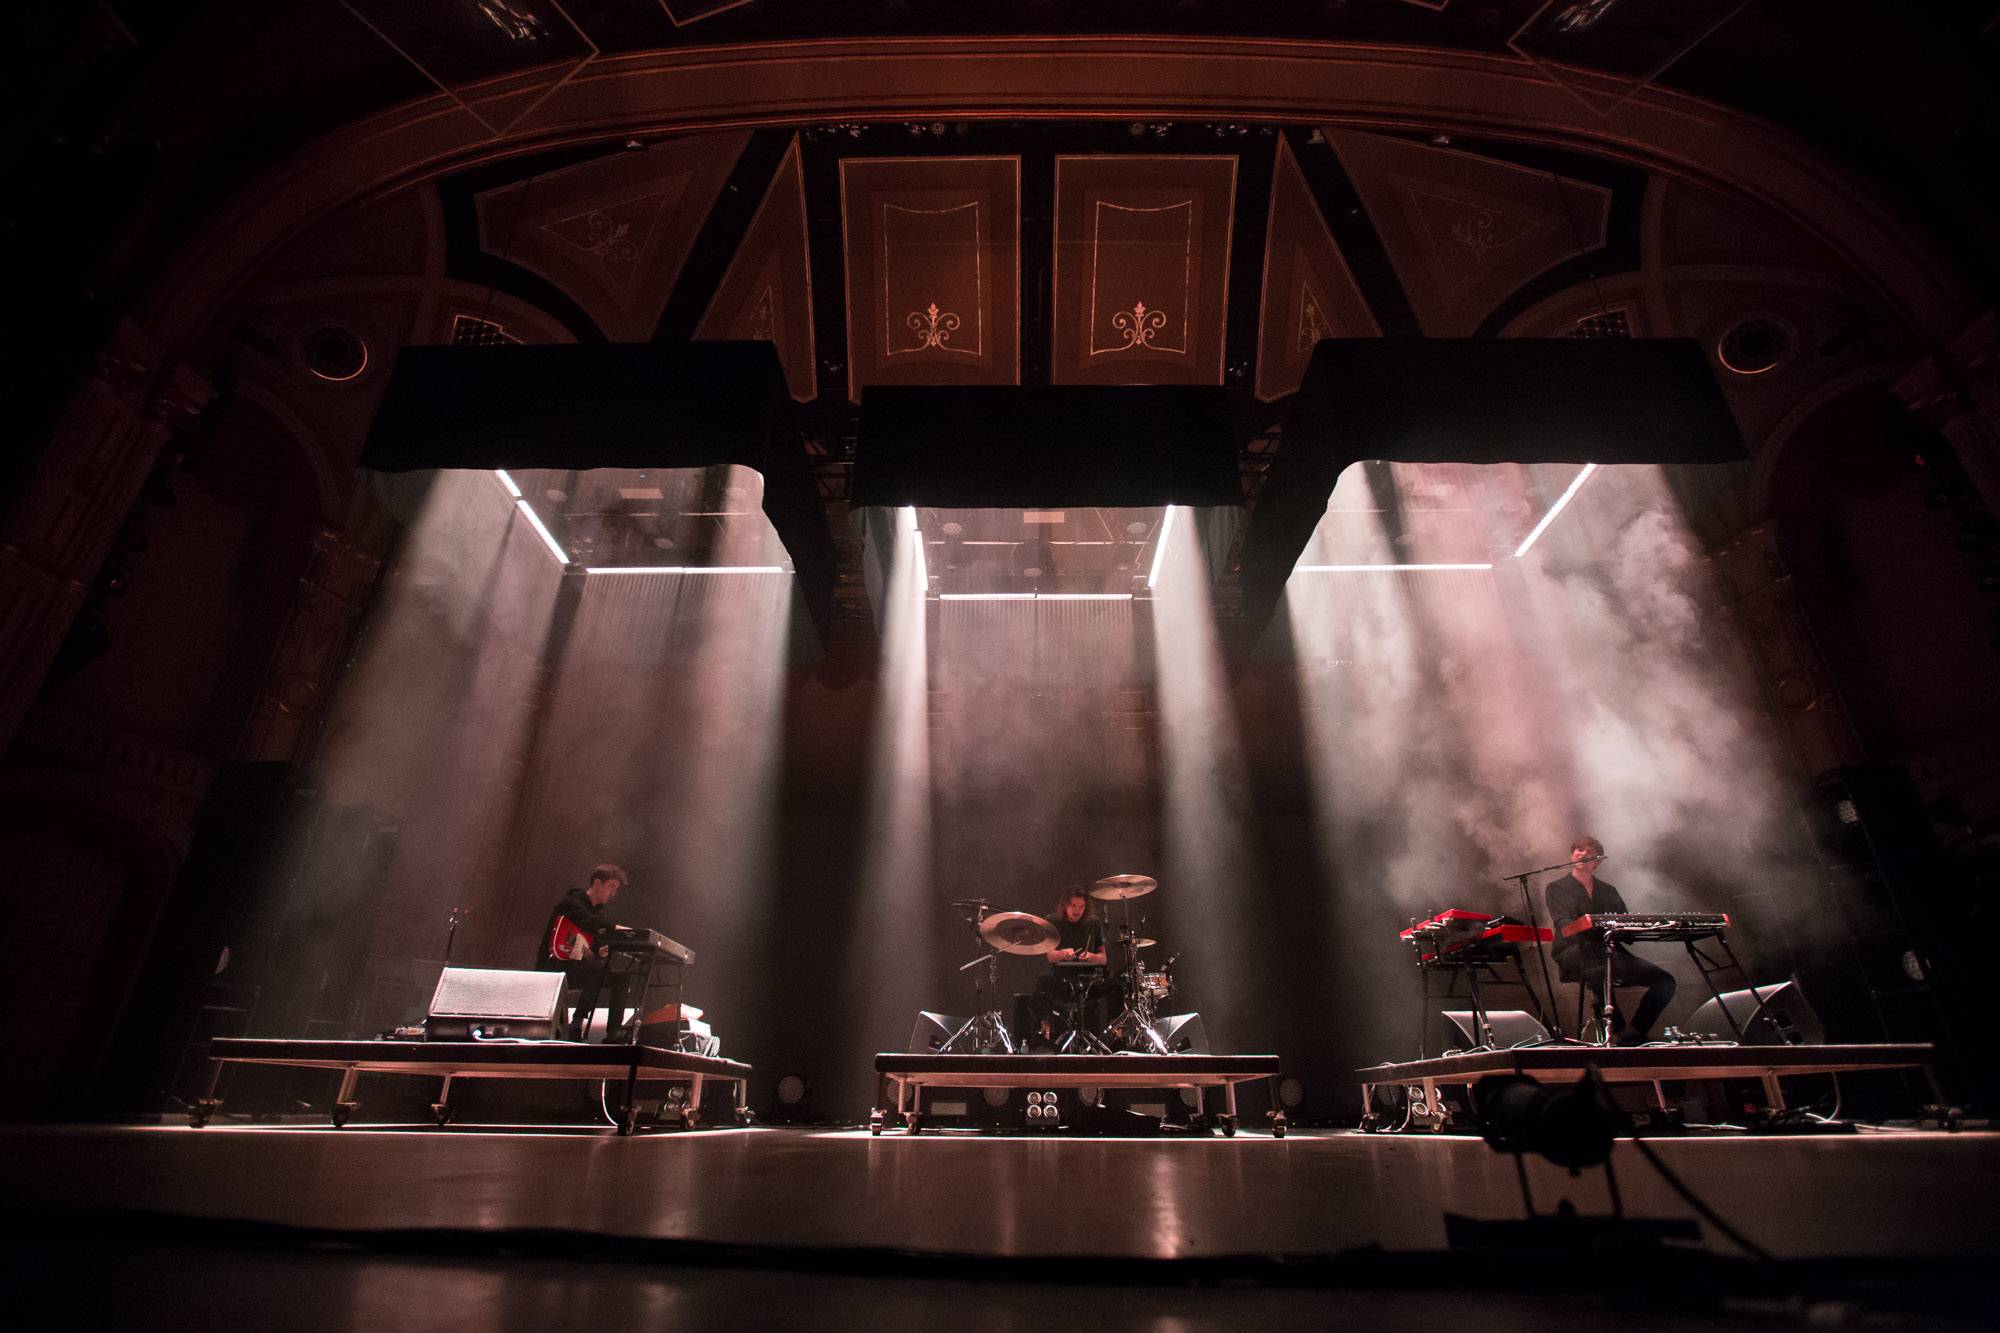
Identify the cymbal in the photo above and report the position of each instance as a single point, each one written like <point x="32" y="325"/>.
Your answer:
<point x="1018" y="932"/>
<point x="972" y="902"/>
<point x="1124" y="886"/>
<point x="1143" y="943"/>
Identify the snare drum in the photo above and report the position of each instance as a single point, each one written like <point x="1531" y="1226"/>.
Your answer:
<point x="1156" y="985"/>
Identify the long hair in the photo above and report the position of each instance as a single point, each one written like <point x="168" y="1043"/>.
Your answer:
<point x="1063" y="901"/>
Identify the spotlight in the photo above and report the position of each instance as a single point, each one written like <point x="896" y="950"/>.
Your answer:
<point x="791" y="1089"/>
<point x="1088" y="1095"/>
<point x="1160" y="550"/>
<point x="1569" y="1125"/>
<point x="1550" y="517"/>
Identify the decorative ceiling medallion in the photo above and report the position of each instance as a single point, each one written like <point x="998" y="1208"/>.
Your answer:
<point x="932" y="248"/>
<point x="1313" y="324"/>
<point x="612" y="235"/>
<point x="1755" y="344"/>
<point x="1139" y="325"/>
<point x="932" y="327"/>
<point x="332" y="352"/>
<point x="1141" y="268"/>
<point x="763" y="324"/>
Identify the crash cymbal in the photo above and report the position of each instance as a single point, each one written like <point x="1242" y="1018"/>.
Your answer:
<point x="1018" y="932"/>
<point x="1114" y="887"/>
<point x="1143" y="943"/>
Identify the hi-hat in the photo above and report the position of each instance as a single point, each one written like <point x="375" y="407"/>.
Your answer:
<point x="1124" y="886"/>
<point x="1018" y="932"/>
<point x="1139" y="942"/>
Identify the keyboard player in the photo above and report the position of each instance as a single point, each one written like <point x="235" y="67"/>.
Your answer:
<point x="1581" y="957"/>
<point x="569" y="944"/>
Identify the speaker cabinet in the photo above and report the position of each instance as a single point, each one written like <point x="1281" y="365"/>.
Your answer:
<point x="1781" y="1018"/>
<point x="931" y="1031"/>
<point x="1183" y="1034"/>
<point x="493" y="1002"/>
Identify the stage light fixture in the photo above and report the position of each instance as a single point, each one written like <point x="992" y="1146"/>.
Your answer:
<point x="1568" y="1124"/>
<point x="541" y="530"/>
<point x="1160" y="550"/>
<point x="996" y="1096"/>
<point x="1034" y="597"/>
<point x="1387" y="569"/>
<point x="684" y="569"/>
<point x="1575" y="485"/>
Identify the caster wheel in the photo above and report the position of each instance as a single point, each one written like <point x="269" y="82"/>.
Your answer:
<point x="875" y="1124"/>
<point x="197" y="1119"/>
<point x="342" y="1112"/>
<point x="628" y="1124"/>
<point x="1278" y="1124"/>
<point x="1229" y="1127"/>
<point x="441" y="1113"/>
<point x="1371" y="1124"/>
<point x="746" y="1117"/>
<point x="689" y="1118"/>
<point x="913" y="1122"/>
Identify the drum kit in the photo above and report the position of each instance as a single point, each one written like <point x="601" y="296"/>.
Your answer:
<point x="1144" y="992"/>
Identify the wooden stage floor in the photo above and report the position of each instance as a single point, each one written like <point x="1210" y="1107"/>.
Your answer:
<point x="422" y="1200"/>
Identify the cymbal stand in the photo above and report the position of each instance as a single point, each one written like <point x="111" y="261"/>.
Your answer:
<point x="979" y="1034"/>
<point x="1138" y="1012"/>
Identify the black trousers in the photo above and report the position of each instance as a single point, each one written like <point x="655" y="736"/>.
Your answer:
<point x="1587" y="966"/>
<point x="598" y="983"/>
<point x="1051" y="996"/>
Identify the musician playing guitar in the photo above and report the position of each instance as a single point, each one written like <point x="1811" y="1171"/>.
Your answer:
<point x="1581" y="957"/>
<point x="568" y="945"/>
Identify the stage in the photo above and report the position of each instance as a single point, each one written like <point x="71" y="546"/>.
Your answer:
<point x="1192" y="1223"/>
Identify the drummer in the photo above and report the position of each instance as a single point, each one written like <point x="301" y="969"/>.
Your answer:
<point x="1079" y="940"/>
<point x="1079" y="934"/>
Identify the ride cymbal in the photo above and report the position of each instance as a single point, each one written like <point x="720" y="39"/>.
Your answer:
<point x="1114" y="887"/>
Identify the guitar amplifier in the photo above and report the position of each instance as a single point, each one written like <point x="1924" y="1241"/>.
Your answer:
<point x="472" y="1003"/>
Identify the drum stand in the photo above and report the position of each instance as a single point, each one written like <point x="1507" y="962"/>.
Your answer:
<point x="985" y="1030"/>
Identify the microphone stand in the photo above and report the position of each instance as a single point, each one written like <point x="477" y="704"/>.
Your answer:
<point x="1558" y="1037"/>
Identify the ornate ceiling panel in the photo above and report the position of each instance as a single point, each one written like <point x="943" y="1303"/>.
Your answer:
<point x="933" y="260"/>
<point x="1309" y="293"/>
<point x="1142" y="269"/>
<point x="767" y="291"/>
<point x="1464" y="231"/>
<point x="613" y="232"/>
